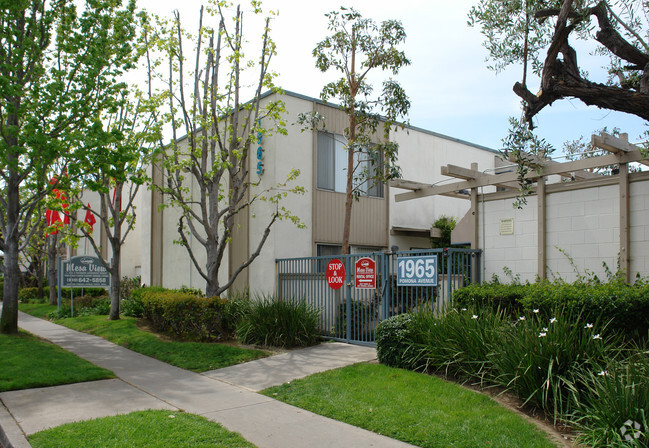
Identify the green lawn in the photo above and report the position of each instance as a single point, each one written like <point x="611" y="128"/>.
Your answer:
<point x="37" y="309"/>
<point x="28" y="362"/>
<point x="195" y="356"/>
<point x="144" y="429"/>
<point x="418" y="409"/>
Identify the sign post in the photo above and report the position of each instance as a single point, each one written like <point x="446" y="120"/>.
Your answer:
<point x="365" y="273"/>
<point x="335" y="274"/>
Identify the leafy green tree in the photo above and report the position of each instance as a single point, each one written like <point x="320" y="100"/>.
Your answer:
<point x="59" y="70"/>
<point x="356" y="47"/>
<point x="113" y="165"/>
<point x="537" y="32"/>
<point x="208" y="172"/>
<point x="446" y="224"/>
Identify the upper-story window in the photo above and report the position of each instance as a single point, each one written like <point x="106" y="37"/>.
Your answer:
<point x="332" y="167"/>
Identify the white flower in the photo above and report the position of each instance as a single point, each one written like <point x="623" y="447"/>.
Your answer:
<point x="522" y="318"/>
<point x="474" y="316"/>
<point x="602" y="373"/>
<point x="597" y="336"/>
<point x="536" y="310"/>
<point x="553" y="320"/>
<point x="589" y="326"/>
<point x="172" y="416"/>
<point x="463" y="309"/>
<point x="545" y="329"/>
<point x="542" y="335"/>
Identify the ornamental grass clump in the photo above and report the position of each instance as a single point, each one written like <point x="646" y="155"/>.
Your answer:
<point x="613" y="407"/>
<point x="576" y="371"/>
<point x="457" y="343"/>
<point x="273" y="321"/>
<point x="541" y="359"/>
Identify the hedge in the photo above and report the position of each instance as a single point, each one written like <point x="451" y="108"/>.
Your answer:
<point x="183" y="314"/>
<point x="624" y="306"/>
<point x="31" y="293"/>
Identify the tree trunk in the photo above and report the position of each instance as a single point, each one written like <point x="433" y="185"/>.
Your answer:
<point x="349" y="200"/>
<point x="115" y="284"/>
<point x="9" y="318"/>
<point x="212" y="283"/>
<point x="40" y="274"/>
<point x="52" y="280"/>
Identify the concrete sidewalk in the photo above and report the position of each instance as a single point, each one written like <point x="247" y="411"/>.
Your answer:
<point x="225" y="396"/>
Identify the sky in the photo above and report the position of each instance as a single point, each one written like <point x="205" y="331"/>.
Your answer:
<point x="450" y="89"/>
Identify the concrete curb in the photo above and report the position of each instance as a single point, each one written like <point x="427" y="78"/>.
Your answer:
<point x="11" y="435"/>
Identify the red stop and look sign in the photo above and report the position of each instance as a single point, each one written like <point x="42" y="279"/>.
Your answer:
<point x="335" y="273"/>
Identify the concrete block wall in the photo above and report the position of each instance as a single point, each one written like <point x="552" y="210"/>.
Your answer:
<point x="583" y="231"/>
<point x="517" y="252"/>
<point x="639" y="228"/>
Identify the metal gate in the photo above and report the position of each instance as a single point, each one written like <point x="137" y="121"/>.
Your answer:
<point x="351" y="314"/>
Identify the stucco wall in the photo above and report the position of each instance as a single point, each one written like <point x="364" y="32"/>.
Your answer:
<point x="421" y="156"/>
<point x="281" y="154"/>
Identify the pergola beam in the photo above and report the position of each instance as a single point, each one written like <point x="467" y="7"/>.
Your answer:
<point x="494" y="179"/>
<point x="615" y="145"/>
<point x="534" y="161"/>
<point x="468" y="174"/>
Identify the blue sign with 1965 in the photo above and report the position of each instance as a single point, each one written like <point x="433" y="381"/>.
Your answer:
<point x="417" y="271"/>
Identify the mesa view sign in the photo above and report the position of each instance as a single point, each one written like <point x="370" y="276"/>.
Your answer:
<point x="84" y="272"/>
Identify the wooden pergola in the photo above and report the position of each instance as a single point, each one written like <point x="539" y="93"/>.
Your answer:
<point x="620" y="153"/>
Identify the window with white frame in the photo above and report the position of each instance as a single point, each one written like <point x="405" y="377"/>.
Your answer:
<point x="331" y="166"/>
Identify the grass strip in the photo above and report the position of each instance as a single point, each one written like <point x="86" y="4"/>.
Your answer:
<point x="194" y="356"/>
<point x="143" y="429"/>
<point x="415" y="408"/>
<point x="40" y="310"/>
<point x="28" y="362"/>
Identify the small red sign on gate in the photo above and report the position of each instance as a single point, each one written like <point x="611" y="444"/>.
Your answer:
<point x="335" y="273"/>
<point x="365" y="274"/>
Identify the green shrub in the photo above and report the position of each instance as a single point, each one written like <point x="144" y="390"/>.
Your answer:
<point x="183" y="314"/>
<point x="89" y="301"/>
<point x="497" y="296"/>
<point x="127" y="285"/>
<point x="394" y="340"/>
<point x="63" y="313"/>
<point x="101" y="306"/>
<point x="131" y="307"/>
<point x="625" y="306"/>
<point x="30" y="294"/>
<point x="279" y="323"/>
